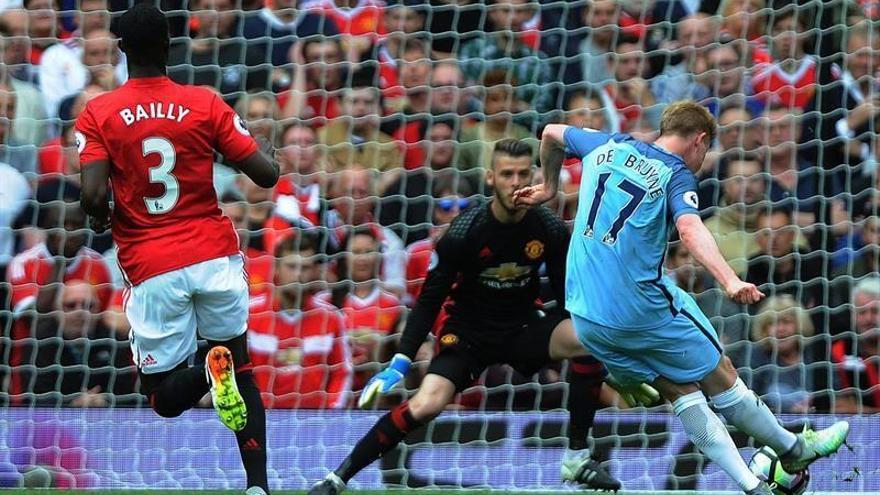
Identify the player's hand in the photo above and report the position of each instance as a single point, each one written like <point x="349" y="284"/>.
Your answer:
<point x="385" y="380"/>
<point x="637" y="395"/>
<point x="532" y="195"/>
<point x="99" y="225"/>
<point x="744" y="292"/>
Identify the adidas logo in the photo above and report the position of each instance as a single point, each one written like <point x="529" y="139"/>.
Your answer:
<point x="149" y="360"/>
<point x="251" y="444"/>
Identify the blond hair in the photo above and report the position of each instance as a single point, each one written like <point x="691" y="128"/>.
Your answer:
<point x="779" y="307"/>
<point x="686" y="118"/>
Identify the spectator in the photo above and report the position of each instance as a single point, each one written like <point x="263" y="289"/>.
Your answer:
<point x="447" y="97"/>
<point x="356" y="138"/>
<point x="260" y="209"/>
<point x="259" y="265"/>
<point x="359" y="21"/>
<point x="840" y="119"/>
<point x="781" y="363"/>
<point x="453" y="23"/>
<point x="733" y="222"/>
<point x="404" y="24"/>
<point x="856" y="356"/>
<point x="600" y="16"/>
<point x="43" y="27"/>
<point x="36" y="275"/>
<point x="790" y="77"/>
<point x="695" y="35"/>
<point x="303" y="184"/>
<point x="588" y="109"/>
<point x="736" y="129"/>
<point x="90" y="56"/>
<point x="502" y="50"/>
<point x="14" y="193"/>
<point x="21" y="157"/>
<point x="260" y="112"/>
<point x="630" y="93"/>
<point x="745" y="19"/>
<point x="727" y="317"/>
<point x="29" y="126"/>
<point x="318" y="75"/>
<point x="406" y="202"/>
<point x="863" y="262"/>
<point x="782" y="267"/>
<point x="353" y="198"/>
<point x="79" y="361"/>
<point x="297" y="343"/>
<point x="373" y="316"/>
<point x="213" y="57"/>
<point x="16" y="53"/>
<point x="499" y="105"/>
<point x="279" y="24"/>
<point x="791" y="174"/>
<point x="450" y="197"/>
<point x="726" y="82"/>
<point x="60" y="155"/>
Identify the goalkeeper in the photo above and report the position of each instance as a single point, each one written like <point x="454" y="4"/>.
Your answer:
<point x="488" y="265"/>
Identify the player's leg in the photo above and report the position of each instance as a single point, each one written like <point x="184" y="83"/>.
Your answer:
<point x="747" y="412"/>
<point x="706" y="430"/>
<point x="221" y="307"/>
<point x="450" y="371"/>
<point x="552" y="338"/>
<point x="163" y="336"/>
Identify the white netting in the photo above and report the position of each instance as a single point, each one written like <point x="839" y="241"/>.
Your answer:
<point x="386" y="115"/>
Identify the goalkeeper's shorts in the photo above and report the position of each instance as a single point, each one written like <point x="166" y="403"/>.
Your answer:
<point x="465" y="350"/>
<point x="684" y="350"/>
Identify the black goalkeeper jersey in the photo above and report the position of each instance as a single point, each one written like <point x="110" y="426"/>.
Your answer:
<point x="491" y="273"/>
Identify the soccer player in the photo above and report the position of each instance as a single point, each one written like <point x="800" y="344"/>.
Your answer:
<point x="154" y="141"/>
<point x="492" y="254"/>
<point x="637" y="322"/>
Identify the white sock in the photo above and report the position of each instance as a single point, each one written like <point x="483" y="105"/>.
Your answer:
<point x="708" y="433"/>
<point x="576" y="454"/>
<point x="747" y="412"/>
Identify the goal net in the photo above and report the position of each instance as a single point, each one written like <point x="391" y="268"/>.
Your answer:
<point x="383" y="115"/>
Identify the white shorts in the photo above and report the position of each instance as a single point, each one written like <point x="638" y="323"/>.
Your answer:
<point x="165" y="311"/>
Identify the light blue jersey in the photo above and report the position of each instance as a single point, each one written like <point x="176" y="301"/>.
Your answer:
<point x="631" y="193"/>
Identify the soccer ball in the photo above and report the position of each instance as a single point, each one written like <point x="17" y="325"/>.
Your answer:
<point x="765" y="464"/>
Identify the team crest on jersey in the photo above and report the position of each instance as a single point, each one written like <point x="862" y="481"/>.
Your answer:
<point x="449" y="339"/>
<point x="80" y="139"/>
<point x="433" y="261"/>
<point x="534" y="249"/>
<point x="240" y="126"/>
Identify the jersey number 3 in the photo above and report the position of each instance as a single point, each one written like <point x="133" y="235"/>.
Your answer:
<point x="636" y="194"/>
<point x="161" y="174"/>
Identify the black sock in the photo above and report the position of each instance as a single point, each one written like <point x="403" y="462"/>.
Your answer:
<point x="252" y="439"/>
<point x="383" y="437"/>
<point x="173" y="392"/>
<point x="585" y="379"/>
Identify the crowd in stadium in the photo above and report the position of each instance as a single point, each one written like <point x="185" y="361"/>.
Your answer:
<point x="384" y="116"/>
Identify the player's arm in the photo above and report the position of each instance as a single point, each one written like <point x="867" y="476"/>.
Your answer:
<point x="683" y="206"/>
<point x="261" y="169"/>
<point x="94" y="172"/>
<point x="234" y="141"/>
<point x="557" y="254"/>
<point x="442" y="273"/>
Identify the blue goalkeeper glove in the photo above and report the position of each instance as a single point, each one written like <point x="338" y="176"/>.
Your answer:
<point x="385" y="380"/>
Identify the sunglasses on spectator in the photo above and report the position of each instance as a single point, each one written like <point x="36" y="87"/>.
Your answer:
<point x="449" y="204"/>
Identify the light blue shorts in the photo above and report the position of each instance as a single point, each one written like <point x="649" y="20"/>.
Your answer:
<point x="684" y="350"/>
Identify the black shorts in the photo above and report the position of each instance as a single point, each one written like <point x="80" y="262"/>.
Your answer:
<point x="464" y="351"/>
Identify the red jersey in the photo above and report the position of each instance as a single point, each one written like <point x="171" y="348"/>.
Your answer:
<point x="30" y="270"/>
<point x="301" y="358"/>
<point x="418" y="260"/>
<point x="260" y="269"/>
<point x="363" y="18"/>
<point x="160" y="138"/>
<point x="795" y="90"/>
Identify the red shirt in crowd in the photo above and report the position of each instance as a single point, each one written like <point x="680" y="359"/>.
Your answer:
<point x="30" y="270"/>
<point x="160" y="138"/>
<point x="363" y="18"/>
<point x="770" y="82"/>
<point x="301" y="358"/>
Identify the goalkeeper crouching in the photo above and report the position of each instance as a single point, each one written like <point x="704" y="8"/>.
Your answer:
<point x="486" y="270"/>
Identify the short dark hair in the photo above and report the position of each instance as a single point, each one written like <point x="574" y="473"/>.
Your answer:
<point x="143" y="30"/>
<point x="779" y="208"/>
<point x="301" y="240"/>
<point x="513" y="148"/>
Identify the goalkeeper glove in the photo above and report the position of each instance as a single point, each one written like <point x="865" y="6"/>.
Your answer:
<point x="385" y="380"/>
<point x="640" y="394"/>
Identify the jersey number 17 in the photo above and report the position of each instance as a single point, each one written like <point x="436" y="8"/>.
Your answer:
<point x="636" y="193"/>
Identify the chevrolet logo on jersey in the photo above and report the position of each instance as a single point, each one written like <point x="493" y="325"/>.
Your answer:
<point x="506" y="276"/>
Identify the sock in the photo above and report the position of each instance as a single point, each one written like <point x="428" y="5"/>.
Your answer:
<point x="252" y="439"/>
<point x="709" y="435"/>
<point x="173" y="392"/>
<point x="747" y="412"/>
<point x="584" y="387"/>
<point x="384" y="436"/>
